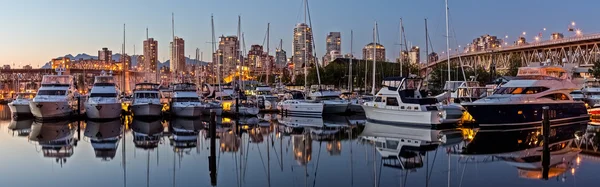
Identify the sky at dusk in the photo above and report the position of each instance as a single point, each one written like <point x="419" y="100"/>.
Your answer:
<point x="35" y="31"/>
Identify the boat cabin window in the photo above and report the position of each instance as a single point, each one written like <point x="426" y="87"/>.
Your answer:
<point x="186" y="99"/>
<point x="378" y="99"/>
<point x="557" y="96"/>
<point x="412" y="84"/>
<point x="520" y="90"/>
<point x="103" y="95"/>
<point x="391" y="144"/>
<point x="391" y="101"/>
<point x="52" y="92"/>
<point x="147" y="95"/>
<point x="592" y="84"/>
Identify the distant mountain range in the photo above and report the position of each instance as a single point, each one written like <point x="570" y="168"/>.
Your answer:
<point x="117" y="57"/>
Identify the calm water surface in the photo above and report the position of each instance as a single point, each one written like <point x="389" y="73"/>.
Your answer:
<point x="275" y="151"/>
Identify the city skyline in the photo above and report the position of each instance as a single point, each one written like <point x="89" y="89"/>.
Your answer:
<point x="37" y="35"/>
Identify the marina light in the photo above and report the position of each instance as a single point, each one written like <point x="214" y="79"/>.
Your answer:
<point x="524" y="33"/>
<point x="572" y="23"/>
<point x="578" y="32"/>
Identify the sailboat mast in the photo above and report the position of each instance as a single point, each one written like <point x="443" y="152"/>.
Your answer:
<point x="268" y="59"/>
<point x="426" y="43"/>
<point x="124" y="70"/>
<point x="374" y="57"/>
<point x="350" y="66"/>
<point x="173" y="45"/>
<point x="447" y="41"/>
<point x="218" y="56"/>
<point x="404" y="40"/>
<point x="401" y="59"/>
<point x="239" y="52"/>
<point x="305" y="56"/>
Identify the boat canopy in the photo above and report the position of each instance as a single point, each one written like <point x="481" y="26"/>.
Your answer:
<point x="544" y="71"/>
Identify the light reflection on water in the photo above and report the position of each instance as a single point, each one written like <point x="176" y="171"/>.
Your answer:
<point x="274" y="151"/>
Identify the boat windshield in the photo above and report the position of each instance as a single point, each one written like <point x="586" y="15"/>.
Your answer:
<point x="412" y="84"/>
<point x="146" y="95"/>
<point x="186" y="99"/>
<point x="520" y="90"/>
<point x="103" y="95"/>
<point x="52" y="92"/>
<point x="146" y="86"/>
<point x="108" y="80"/>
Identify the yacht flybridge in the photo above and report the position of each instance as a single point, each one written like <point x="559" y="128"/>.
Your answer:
<point x="400" y="101"/>
<point x="520" y="101"/>
<point x="103" y="101"/>
<point x="186" y="101"/>
<point x="56" y="98"/>
<point x="146" y="100"/>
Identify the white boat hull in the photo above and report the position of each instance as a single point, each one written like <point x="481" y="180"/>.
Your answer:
<point x="146" y="109"/>
<point x="103" y="110"/>
<point x="301" y="108"/>
<point x="46" y="110"/>
<point x="421" y="118"/>
<point x="19" y="109"/>
<point x="188" y="111"/>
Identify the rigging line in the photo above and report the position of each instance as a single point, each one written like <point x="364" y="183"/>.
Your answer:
<point x="380" y="174"/>
<point x="462" y="175"/>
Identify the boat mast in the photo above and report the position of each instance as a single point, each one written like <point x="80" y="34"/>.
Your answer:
<point x="173" y="45"/>
<point x="374" y="57"/>
<point x="124" y="70"/>
<point x="313" y="48"/>
<point x="239" y="52"/>
<point x="350" y="66"/>
<point x="305" y="48"/>
<point x="268" y="59"/>
<point x="212" y="25"/>
<point x="405" y="44"/>
<point x="426" y="43"/>
<point x="447" y="42"/>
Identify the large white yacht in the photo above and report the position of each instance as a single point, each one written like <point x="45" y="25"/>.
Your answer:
<point x="103" y="101"/>
<point x="20" y="106"/>
<point x="186" y="101"/>
<point x="332" y="102"/>
<point x="591" y="92"/>
<point x="520" y="101"/>
<point x="400" y="101"/>
<point x="56" y="98"/>
<point x="146" y="100"/>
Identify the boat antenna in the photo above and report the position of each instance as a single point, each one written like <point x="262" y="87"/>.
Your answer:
<point x="268" y="59"/>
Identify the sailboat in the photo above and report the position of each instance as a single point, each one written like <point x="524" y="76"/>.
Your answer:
<point x="303" y="107"/>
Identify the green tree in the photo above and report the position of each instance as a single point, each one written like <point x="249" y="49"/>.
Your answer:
<point x="595" y="70"/>
<point x="513" y="65"/>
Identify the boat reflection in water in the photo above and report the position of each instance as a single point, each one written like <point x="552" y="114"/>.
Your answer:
<point x="185" y="133"/>
<point x="56" y="139"/>
<point x="104" y="137"/>
<point x="403" y="147"/>
<point x="21" y="127"/>
<point x="147" y="134"/>
<point x="523" y="149"/>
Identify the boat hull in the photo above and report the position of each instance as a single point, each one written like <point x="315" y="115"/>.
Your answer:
<point x="335" y="107"/>
<point x="299" y="108"/>
<point x="188" y="111"/>
<point x="490" y="115"/>
<point x="103" y="110"/>
<point x="51" y="110"/>
<point x="147" y="109"/>
<point x="419" y="118"/>
<point x="19" y="109"/>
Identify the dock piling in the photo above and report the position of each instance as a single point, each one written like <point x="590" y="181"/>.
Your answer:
<point x="546" y="141"/>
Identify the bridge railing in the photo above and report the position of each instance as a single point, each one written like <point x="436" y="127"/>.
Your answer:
<point x="569" y="39"/>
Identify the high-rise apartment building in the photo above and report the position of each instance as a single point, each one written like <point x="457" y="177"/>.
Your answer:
<point x="228" y="54"/>
<point x="333" y="45"/>
<point x="150" y="58"/>
<point x="302" y="46"/>
<point x="368" y="52"/>
<point x="414" y="55"/>
<point x="177" y="63"/>
<point x="105" y="55"/>
<point x="280" y="58"/>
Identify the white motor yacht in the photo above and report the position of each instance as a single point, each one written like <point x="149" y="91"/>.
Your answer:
<point x="103" y="101"/>
<point x="591" y="92"/>
<point x="186" y="101"/>
<point x="146" y="100"/>
<point x="519" y="102"/>
<point x="295" y="105"/>
<point x="264" y="97"/>
<point x="56" y="98"/>
<point x="400" y="101"/>
<point x="20" y="106"/>
<point x="332" y="102"/>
